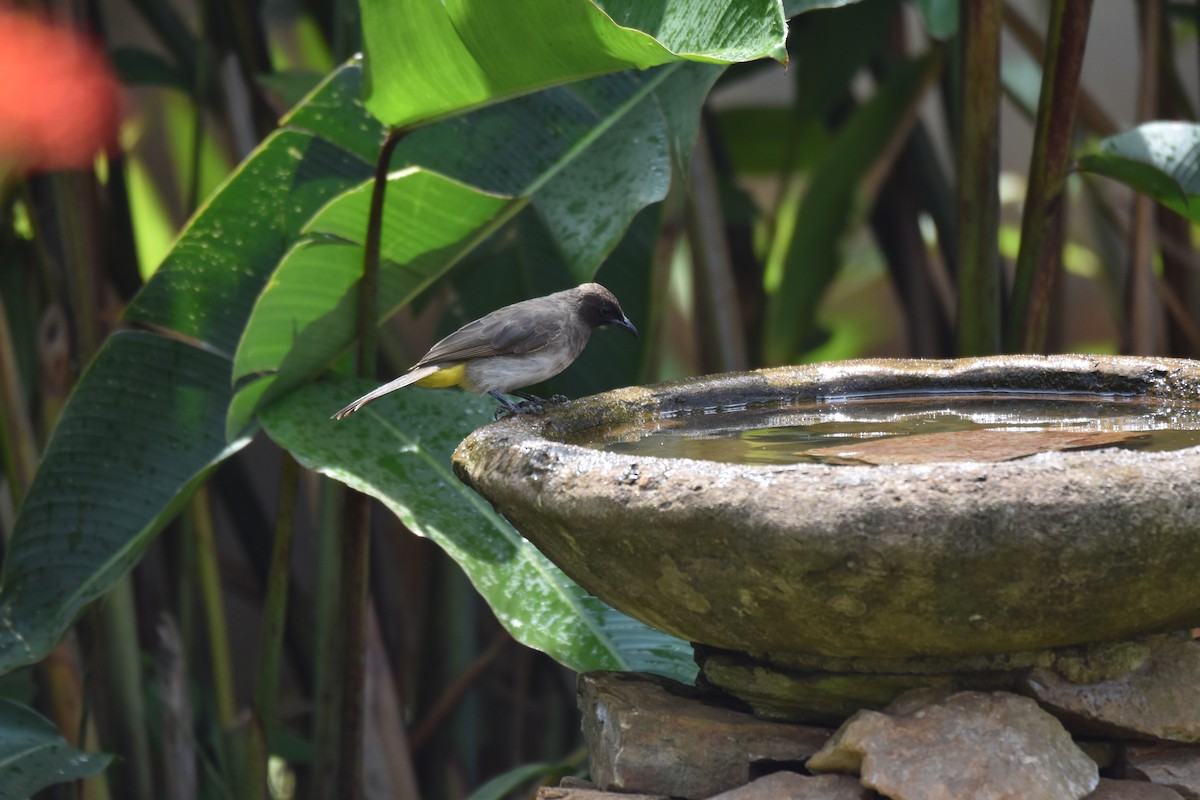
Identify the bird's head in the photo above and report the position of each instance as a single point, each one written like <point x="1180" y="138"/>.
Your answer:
<point x="598" y="307"/>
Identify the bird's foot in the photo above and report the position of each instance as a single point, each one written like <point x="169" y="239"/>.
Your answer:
<point x="554" y="399"/>
<point x="535" y="407"/>
<point x="530" y="404"/>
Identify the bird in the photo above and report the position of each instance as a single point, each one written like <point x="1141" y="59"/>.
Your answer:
<point x="511" y="348"/>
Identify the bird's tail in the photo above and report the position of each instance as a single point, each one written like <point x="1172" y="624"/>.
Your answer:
<point x="412" y="376"/>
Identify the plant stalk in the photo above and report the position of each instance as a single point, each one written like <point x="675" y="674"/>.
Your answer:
<point x="978" y="167"/>
<point x="711" y="258"/>
<point x="16" y="433"/>
<point x="1040" y="256"/>
<point x="1142" y="309"/>
<point x="214" y="607"/>
<point x="356" y="533"/>
<point x="270" y="648"/>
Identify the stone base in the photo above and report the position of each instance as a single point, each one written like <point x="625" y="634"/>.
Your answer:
<point x="651" y="738"/>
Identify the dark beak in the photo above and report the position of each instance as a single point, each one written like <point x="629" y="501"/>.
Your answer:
<point x="627" y="325"/>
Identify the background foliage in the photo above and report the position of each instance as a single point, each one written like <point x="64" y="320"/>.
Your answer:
<point x="200" y="297"/>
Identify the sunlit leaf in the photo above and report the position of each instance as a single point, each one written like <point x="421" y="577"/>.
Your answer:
<point x="398" y="451"/>
<point x="1159" y="159"/>
<point x="334" y="111"/>
<point x="34" y="755"/>
<point x="427" y="59"/>
<point x="209" y="281"/>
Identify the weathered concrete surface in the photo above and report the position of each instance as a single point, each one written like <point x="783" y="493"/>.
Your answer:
<point x="984" y="746"/>
<point x="914" y="560"/>
<point x="648" y="734"/>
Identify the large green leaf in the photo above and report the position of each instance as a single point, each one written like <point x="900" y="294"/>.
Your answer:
<point x="428" y="59"/>
<point x="590" y="155"/>
<point x="146" y="420"/>
<point x="811" y="258"/>
<point x="209" y="281"/>
<point x="306" y="315"/>
<point x="1159" y="159"/>
<point x="590" y="203"/>
<point x="398" y="451"/>
<point x="335" y="111"/>
<point x="34" y="755"/>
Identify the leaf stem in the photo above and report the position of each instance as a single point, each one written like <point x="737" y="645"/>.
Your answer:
<point x="368" y="290"/>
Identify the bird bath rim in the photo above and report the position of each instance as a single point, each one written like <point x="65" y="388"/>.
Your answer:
<point x="809" y="559"/>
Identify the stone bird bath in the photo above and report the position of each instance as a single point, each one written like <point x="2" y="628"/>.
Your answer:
<point x="814" y="589"/>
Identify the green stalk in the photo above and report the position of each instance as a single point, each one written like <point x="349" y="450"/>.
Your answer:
<point x="978" y="162"/>
<point x="214" y="607"/>
<point x="1041" y="223"/>
<point x="270" y="649"/>
<point x="327" y="702"/>
<point x="117" y="624"/>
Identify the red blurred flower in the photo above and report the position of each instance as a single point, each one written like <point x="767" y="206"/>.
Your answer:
<point x="59" y="98"/>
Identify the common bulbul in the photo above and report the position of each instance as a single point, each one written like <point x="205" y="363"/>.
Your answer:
<point x="512" y="347"/>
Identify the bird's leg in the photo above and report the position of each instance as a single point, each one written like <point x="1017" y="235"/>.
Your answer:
<point x="532" y="398"/>
<point x="506" y="408"/>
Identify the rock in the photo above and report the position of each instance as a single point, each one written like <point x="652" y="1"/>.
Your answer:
<point x="970" y="744"/>
<point x="1110" y="789"/>
<point x="1104" y="753"/>
<point x="794" y="786"/>
<point x="649" y="734"/>
<point x="575" y="793"/>
<point x="1173" y="766"/>
<point x="1160" y="699"/>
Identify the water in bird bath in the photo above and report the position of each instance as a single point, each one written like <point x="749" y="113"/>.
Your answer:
<point x="886" y="428"/>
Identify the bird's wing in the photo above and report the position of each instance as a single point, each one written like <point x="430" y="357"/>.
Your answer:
<point x="521" y="328"/>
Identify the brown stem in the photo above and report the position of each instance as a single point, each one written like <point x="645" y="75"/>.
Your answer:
<point x="1040" y="255"/>
<point x="1091" y="114"/>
